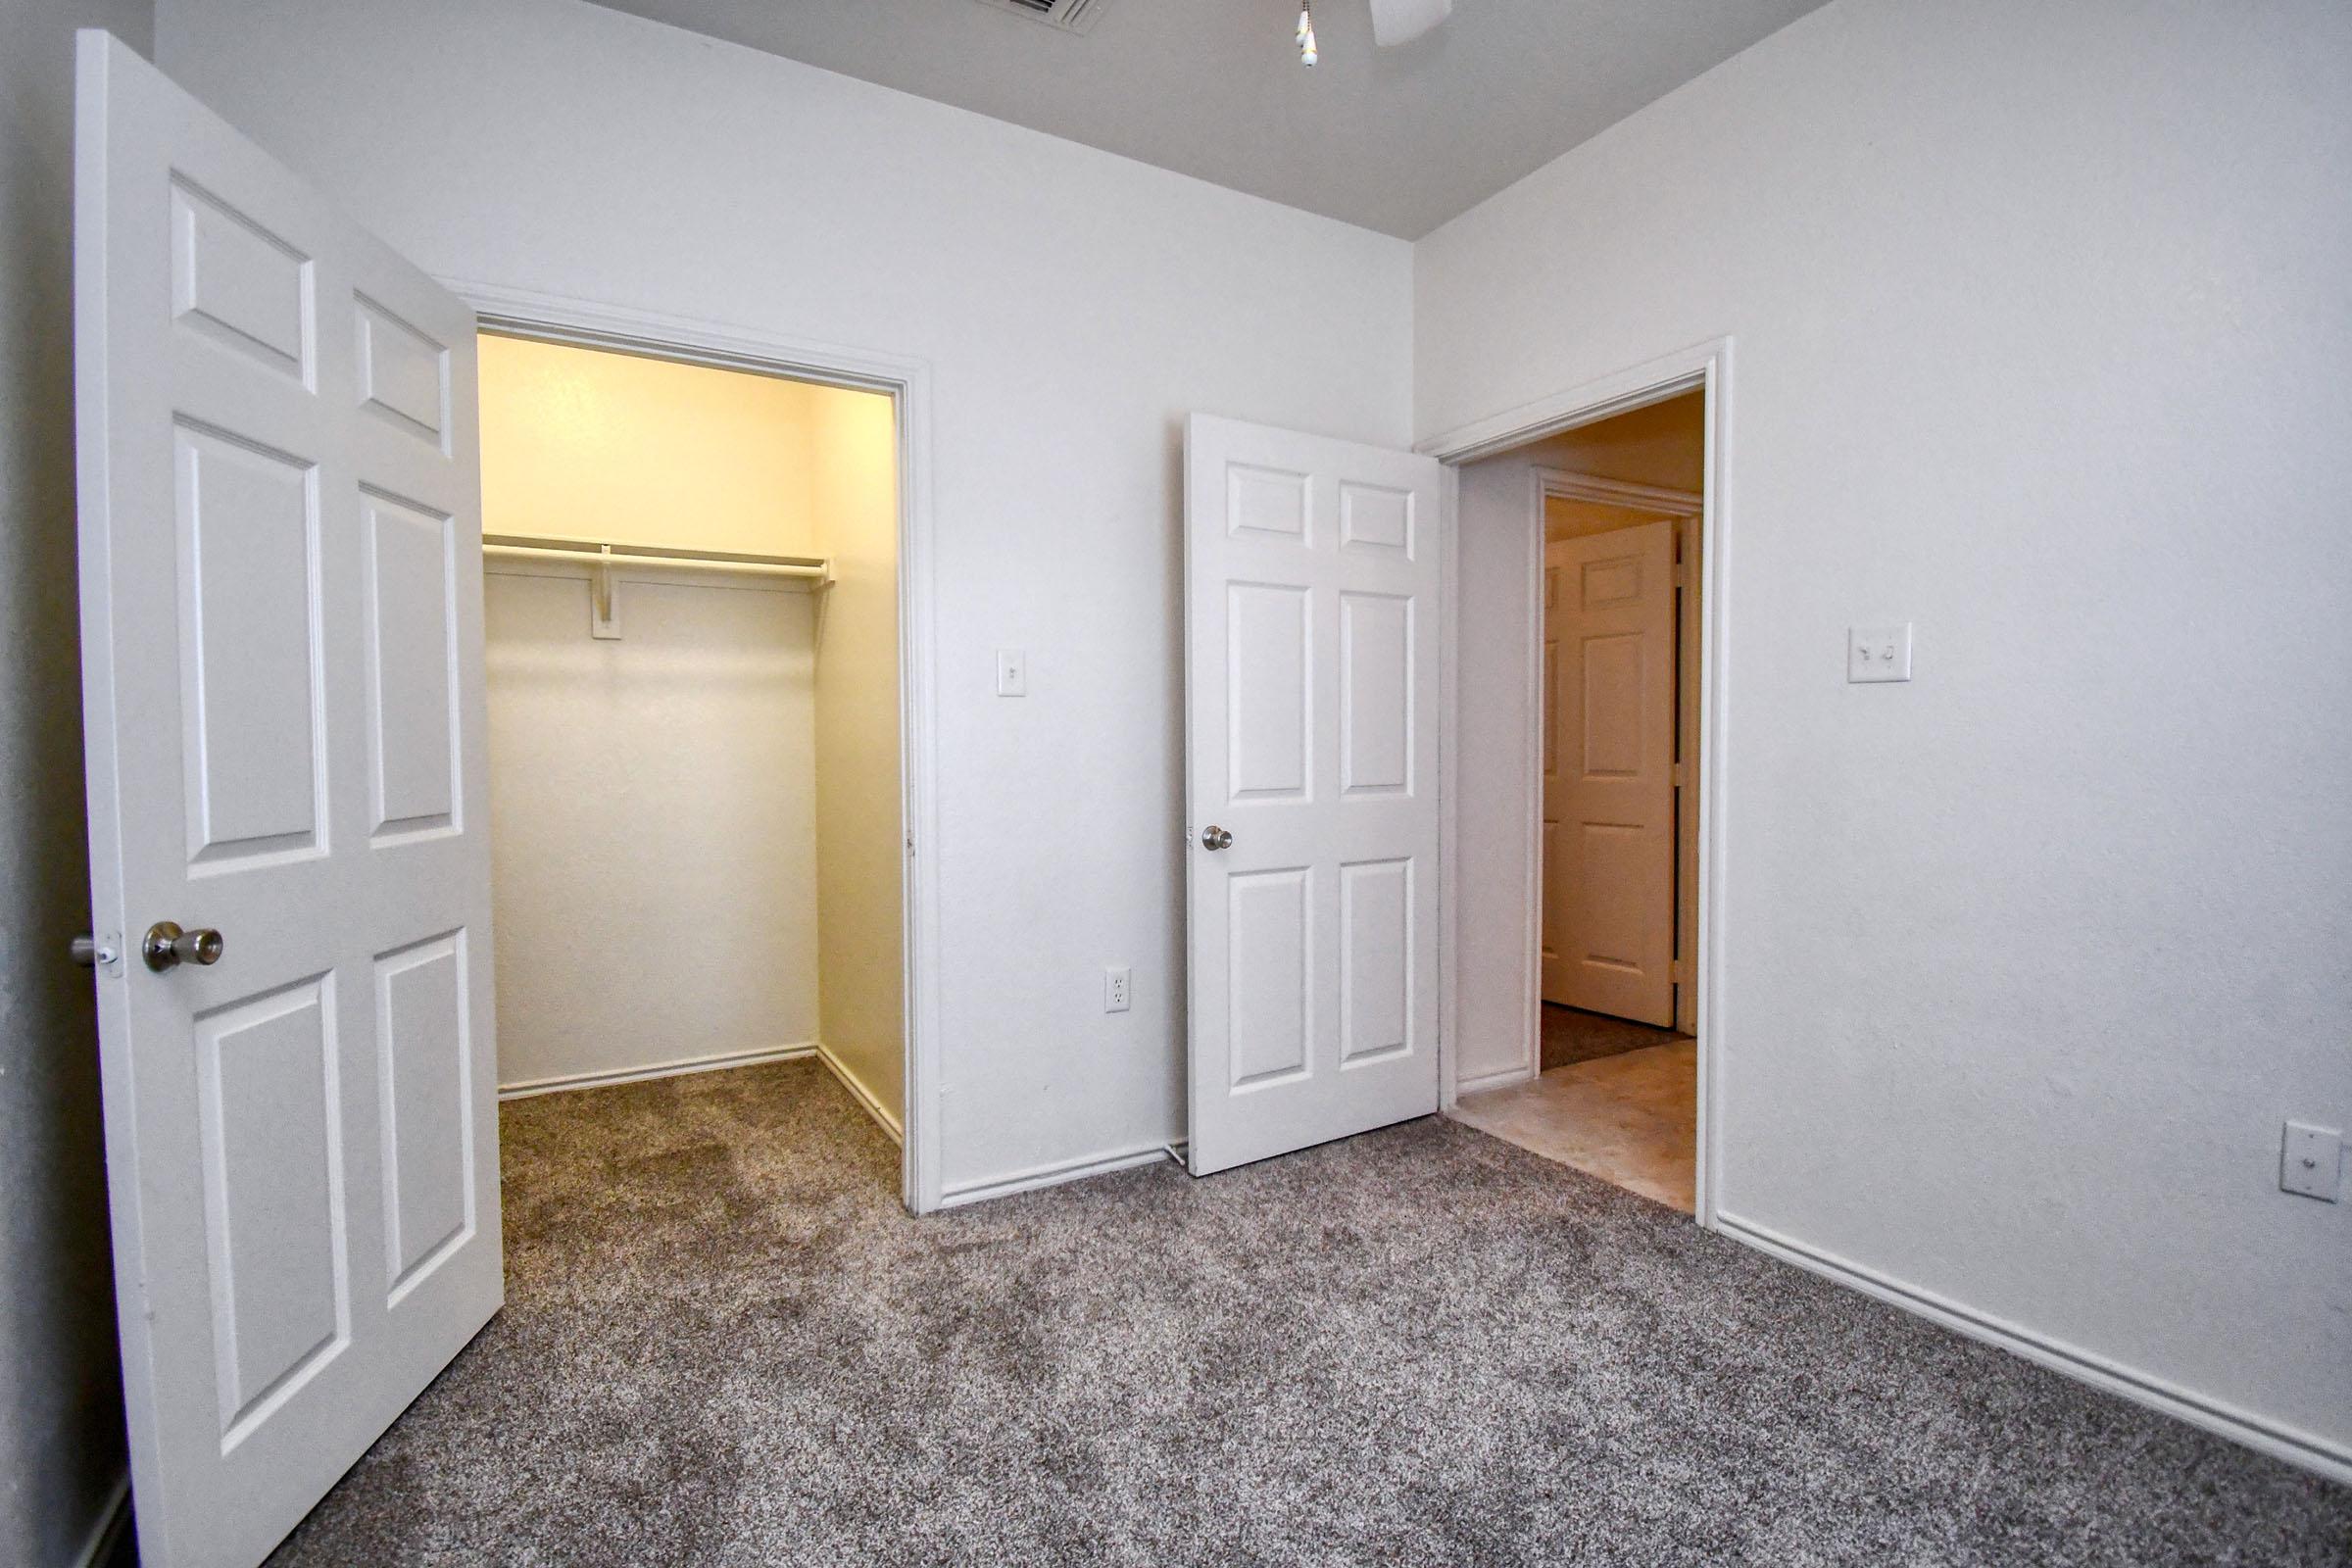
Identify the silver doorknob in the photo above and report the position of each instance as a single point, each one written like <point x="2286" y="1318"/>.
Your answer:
<point x="1214" y="836"/>
<point x="167" y="946"/>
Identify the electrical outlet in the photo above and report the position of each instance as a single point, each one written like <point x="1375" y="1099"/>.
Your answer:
<point x="1013" y="672"/>
<point x="2311" y="1161"/>
<point x="1118" y="988"/>
<point x="1877" y="653"/>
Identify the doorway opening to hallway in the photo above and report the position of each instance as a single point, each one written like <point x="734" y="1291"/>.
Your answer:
<point x="1611" y="512"/>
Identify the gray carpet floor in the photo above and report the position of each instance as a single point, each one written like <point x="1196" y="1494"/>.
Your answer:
<point x="725" y="1343"/>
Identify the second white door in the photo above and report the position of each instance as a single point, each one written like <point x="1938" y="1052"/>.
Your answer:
<point x="1608" y="772"/>
<point x="1311" y="719"/>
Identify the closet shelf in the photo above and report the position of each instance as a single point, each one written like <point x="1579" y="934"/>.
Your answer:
<point x="605" y="553"/>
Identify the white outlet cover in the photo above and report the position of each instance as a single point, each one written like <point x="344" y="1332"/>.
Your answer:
<point x="2310" y="1161"/>
<point x="1118" y="988"/>
<point x="1877" y="653"/>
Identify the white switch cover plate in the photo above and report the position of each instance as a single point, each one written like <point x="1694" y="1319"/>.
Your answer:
<point x="1118" y="988"/>
<point x="1013" y="672"/>
<point x="2310" y="1159"/>
<point x="1877" y="653"/>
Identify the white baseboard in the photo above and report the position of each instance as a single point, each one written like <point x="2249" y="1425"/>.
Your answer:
<point x="866" y="1099"/>
<point x="660" y="1069"/>
<point x="106" y="1536"/>
<point x="2330" y="1459"/>
<point x="1493" y="1079"/>
<point x="959" y="1193"/>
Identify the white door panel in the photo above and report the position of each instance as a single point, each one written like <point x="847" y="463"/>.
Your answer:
<point x="1609" y="832"/>
<point x="1312" y="691"/>
<point x="281" y="643"/>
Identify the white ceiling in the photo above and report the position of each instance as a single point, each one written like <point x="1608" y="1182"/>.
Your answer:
<point x="1398" y="140"/>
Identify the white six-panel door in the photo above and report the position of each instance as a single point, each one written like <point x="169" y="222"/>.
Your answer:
<point x="1609" y="832"/>
<point x="282" y="624"/>
<point x="1311" y="719"/>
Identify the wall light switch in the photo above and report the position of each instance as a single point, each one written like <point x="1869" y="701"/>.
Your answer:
<point x="1013" y="672"/>
<point x="1118" y="988"/>
<point x="1877" y="653"/>
<point x="2311" y="1160"/>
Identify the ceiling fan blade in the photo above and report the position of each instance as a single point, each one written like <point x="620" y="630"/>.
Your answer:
<point x="1396" y="21"/>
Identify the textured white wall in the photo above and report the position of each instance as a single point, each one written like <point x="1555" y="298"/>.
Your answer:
<point x="1494" y="733"/>
<point x="860" y="852"/>
<point x="1073" y="305"/>
<point x="2042" y="323"/>
<point x="653" y="823"/>
<point x="61" y="1412"/>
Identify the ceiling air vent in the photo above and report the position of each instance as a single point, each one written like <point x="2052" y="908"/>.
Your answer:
<point x="1070" y="16"/>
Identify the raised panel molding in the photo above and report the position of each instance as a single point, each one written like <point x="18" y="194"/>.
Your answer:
<point x="424" y="1092"/>
<point x="1268" y="502"/>
<point x="240" y="287"/>
<point x="1376" y="961"/>
<point x="1270" y="922"/>
<point x="275" y="1235"/>
<point x="1270" y="701"/>
<point x="1377" y="518"/>
<point x="413" y="730"/>
<point x="1609" y="706"/>
<point x="403" y="373"/>
<point x="252" y="698"/>
<point x="1376" y="694"/>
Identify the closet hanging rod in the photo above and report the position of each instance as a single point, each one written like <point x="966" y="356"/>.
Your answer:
<point x="594" y="552"/>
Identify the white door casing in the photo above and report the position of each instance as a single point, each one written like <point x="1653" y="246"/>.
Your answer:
<point x="1312" y="693"/>
<point x="1609" y="800"/>
<point x="1553" y="983"/>
<point x="283" y="645"/>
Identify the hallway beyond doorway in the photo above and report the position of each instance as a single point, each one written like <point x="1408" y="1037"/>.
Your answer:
<point x="1628" y="1117"/>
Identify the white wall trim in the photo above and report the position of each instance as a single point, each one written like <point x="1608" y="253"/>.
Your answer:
<point x="1068" y="1170"/>
<point x="907" y="382"/>
<point x="717" y="1062"/>
<point x="867" y="1099"/>
<point x="2330" y="1459"/>
<point x="1501" y="1079"/>
<point x="1655" y="380"/>
<point x="1706" y="367"/>
<point x="1449" y="1016"/>
<point x="1574" y="486"/>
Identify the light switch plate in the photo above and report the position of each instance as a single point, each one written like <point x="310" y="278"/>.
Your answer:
<point x="1013" y="672"/>
<point x="1877" y="653"/>
<point x="2311" y="1161"/>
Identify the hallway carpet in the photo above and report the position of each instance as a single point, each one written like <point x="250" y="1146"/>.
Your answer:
<point x="725" y="1343"/>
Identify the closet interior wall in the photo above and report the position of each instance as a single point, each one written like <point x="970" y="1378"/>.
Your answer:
<point x="697" y="850"/>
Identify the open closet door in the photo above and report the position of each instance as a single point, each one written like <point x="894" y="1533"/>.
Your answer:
<point x="282" y="678"/>
<point x="1312" y="756"/>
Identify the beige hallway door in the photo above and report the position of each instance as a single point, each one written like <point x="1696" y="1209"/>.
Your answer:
<point x="1608" y="772"/>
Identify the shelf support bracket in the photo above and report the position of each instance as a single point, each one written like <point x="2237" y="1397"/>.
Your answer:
<point x="604" y="600"/>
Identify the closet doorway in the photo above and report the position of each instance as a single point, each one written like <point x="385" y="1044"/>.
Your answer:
<point x="695" y="650"/>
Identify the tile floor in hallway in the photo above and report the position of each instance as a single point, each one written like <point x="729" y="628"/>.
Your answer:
<point x="1629" y="1117"/>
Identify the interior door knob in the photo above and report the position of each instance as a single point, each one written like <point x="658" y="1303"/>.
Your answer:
<point x="168" y="947"/>
<point x="1214" y="836"/>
